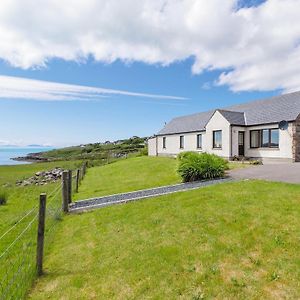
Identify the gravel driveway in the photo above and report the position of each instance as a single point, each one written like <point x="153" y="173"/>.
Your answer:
<point x="284" y="172"/>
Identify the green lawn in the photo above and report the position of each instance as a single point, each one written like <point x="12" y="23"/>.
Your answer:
<point x="18" y="230"/>
<point x="132" y="174"/>
<point x="229" y="241"/>
<point x="129" y="175"/>
<point x="21" y="199"/>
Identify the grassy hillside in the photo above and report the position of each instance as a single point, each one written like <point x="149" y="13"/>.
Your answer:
<point x="21" y="199"/>
<point x="129" y="175"/>
<point x="98" y="151"/>
<point x="18" y="226"/>
<point x="159" y="248"/>
<point x="230" y="241"/>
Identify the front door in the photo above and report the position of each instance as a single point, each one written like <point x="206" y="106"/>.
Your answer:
<point x="241" y="143"/>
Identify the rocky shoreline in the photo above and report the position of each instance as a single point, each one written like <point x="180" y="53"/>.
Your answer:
<point x="31" y="157"/>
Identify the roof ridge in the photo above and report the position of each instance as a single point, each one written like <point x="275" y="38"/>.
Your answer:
<point x="232" y="111"/>
<point x="245" y="119"/>
<point x="263" y="111"/>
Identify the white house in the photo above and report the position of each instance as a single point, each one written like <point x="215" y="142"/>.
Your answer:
<point x="266" y="129"/>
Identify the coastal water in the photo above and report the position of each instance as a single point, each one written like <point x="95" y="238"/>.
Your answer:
<point x="6" y="153"/>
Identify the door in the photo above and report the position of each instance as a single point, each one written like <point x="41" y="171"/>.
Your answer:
<point x="241" y="143"/>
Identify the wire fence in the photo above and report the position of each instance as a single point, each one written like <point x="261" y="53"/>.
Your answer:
<point x="18" y="245"/>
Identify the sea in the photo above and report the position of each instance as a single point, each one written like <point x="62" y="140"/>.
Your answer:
<point x="6" y="153"/>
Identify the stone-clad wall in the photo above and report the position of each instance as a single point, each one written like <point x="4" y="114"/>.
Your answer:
<point x="296" y="139"/>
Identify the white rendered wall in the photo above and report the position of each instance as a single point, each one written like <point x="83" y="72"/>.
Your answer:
<point x="152" y="147"/>
<point x="218" y="122"/>
<point x="285" y="144"/>
<point x="173" y="143"/>
<point x="229" y="136"/>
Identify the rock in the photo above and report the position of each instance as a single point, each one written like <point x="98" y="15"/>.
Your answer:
<point x="42" y="178"/>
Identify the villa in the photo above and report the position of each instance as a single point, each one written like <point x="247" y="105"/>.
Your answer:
<point x="267" y="129"/>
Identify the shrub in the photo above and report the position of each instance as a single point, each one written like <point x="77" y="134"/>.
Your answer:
<point x="186" y="155"/>
<point x="3" y="198"/>
<point x="194" y="166"/>
<point x="143" y="152"/>
<point x="255" y="162"/>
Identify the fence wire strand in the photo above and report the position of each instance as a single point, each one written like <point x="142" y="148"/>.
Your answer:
<point x="18" y="259"/>
<point x="18" y="222"/>
<point x="19" y="242"/>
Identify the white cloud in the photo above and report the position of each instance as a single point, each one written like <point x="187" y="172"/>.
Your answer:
<point x="22" y="88"/>
<point x="258" y="47"/>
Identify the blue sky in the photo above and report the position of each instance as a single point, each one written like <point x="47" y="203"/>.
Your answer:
<point x="114" y="117"/>
<point x="200" y="74"/>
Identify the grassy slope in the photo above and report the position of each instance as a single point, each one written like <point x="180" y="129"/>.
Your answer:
<point x="132" y="174"/>
<point x="237" y="240"/>
<point x="128" y="175"/>
<point x="21" y="199"/>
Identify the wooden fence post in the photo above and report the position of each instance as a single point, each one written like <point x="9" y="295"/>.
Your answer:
<point x="77" y="180"/>
<point x="84" y="169"/>
<point x="70" y="186"/>
<point x="65" y="191"/>
<point x="41" y="234"/>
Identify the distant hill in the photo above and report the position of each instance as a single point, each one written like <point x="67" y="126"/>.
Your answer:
<point x="93" y="151"/>
<point x="38" y="146"/>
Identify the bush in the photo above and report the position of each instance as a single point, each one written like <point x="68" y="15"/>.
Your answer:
<point x="186" y="155"/>
<point x="143" y="152"/>
<point x="255" y="162"/>
<point x="3" y="198"/>
<point x="194" y="166"/>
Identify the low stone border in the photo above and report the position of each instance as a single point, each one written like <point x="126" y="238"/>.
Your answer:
<point x="94" y="203"/>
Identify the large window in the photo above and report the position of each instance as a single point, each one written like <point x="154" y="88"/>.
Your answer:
<point x="265" y="138"/>
<point x="199" y="141"/>
<point x="164" y="142"/>
<point x="217" y="139"/>
<point x="254" y="138"/>
<point x="274" y="138"/>
<point x="181" y="142"/>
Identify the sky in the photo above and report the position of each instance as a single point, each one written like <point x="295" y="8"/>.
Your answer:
<point x="81" y="71"/>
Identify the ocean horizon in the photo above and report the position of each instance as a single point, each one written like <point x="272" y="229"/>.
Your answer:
<point x="7" y="153"/>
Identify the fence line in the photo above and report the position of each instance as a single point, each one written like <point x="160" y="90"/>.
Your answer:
<point x="18" y="237"/>
<point x="22" y="260"/>
<point x="18" y="222"/>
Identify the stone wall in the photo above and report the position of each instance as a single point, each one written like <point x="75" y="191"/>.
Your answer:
<point x="296" y="139"/>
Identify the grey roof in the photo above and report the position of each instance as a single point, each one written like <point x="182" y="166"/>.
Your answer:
<point x="233" y="117"/>
<point x="267" y="111"/>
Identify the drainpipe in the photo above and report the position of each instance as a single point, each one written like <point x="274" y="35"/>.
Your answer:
<point x="156" y="146"/>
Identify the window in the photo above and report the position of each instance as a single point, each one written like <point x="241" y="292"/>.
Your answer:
<point x="217" y="139"/>
<point x="164" y="142"/>
<point x="199" y="141"/>
<point x="265" y="138"/>
<point x="181" y="142"/>
<point x="274" y="138"/>
<point x="254" y="138"/>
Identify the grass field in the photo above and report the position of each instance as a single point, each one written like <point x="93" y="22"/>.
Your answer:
<point x="230" y="241"/>
<point x="21" y="199"/>
<point x="128" y="175"/>
<point x="18" y="226"/>
<point x="133" y="174"/>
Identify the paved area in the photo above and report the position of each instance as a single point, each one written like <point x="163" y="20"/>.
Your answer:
<point x="99" y="202"/>
<point x="284" y="172"/>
